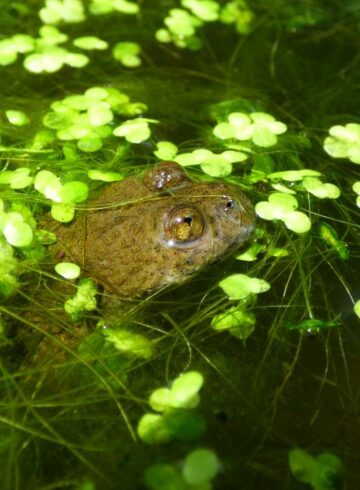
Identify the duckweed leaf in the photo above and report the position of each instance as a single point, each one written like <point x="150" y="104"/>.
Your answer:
<point x="184" y="390"/>
<point x="90" y="143"/>
<point x="165" y="477"/>
<point x="100" y="113"/>
<point x="73" y="192"/>
<point x="321" y="472"/>
<point x="200" y="467"/>
<point x="344" y="142"/>
<point x="67" y="270"/>
<point x="129" y="342"/>
<point x="319" y="189"/>
<point x="160" y="399"/>
<point x="17" y="118"/>
<point x="152" y="430"/>
<point x="234" y="317"/>
<point x="165" y="150"/>
<point x="90" y="43"/>
<point x="260" y="127"/>
<point x="184" y="425"/>
<point x="134" y="130"/>
<point x="48" y="184"/>
<point x="63" y="212"/>
<point x="240" y="286"/>
<point x="55" y="11"/>
<point x="282" y="206"/>
<point x="16" y="231"/>
<point x="206" y="10"/>
<point x="252" y="252"/>
<point x="127" y="53"/>
<point x="293" y="175"/>
<point x="105" y="176"/>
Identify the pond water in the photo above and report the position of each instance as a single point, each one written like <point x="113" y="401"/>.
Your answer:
<point x="257" y="355"/>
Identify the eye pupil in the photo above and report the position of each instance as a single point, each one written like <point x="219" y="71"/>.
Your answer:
<point x="230" y="204"/>
<point x="188" y="220"/>
<point x="183" y="224"/>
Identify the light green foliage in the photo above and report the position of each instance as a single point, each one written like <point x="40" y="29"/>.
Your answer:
<point x="17" y="118"/>
<point x="206" y="10"/>
<point x="98" y="7"/>
<point x="282" y="207"/>
<point x="182" y="394"/>
<point x="321" y="472"/>
<point x="330" y="237"/>
<point x="238" y="13"/>
<point x="48" y="56"/>
<point x="17" y="225"/>
<point x="344" y="142"/>
<point x="357" y="308"/>
<point x="241" y="286"/>
<point x="216" y="165"/>
<point x="16" y="179"/>
<point x="127" y="53"/>
<point x="64" y="196"/>
<point x="87" y="118"/>
<point x="10" y="47"/>
<point x="83" y="300"/>
<point x="175" y="403"/>
<point x="319" y="189"/>
<point x="200" y="467"/>
<point x="64" y="213"/>
<point x="105" y="176"/>
<point x="293" y="175"/>
<point x="236" y="320"/>
<point x="129" y="342"/>
<point x="135" y="130"/>
<point x="356" y="189"/>
<point x="164" y="477"/>
<point x="90" y="43"/>
<point x="55" y="11"/>
<point x="165" y="150"/>
<point x="259" y="127"/>
<point x="67" y="270"/>
<point x="8" y="269"/>
<point x="251" y="253"/>
<point x="180" y="29"/>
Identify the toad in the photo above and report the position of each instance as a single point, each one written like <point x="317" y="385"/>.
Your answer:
<point x="156" y="229"/>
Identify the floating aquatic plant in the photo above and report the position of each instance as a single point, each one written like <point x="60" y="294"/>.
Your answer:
<point x="259" y="127"/>
<point x="283" y="207"/>
<point x="175" y="405"/>
<point x="356" y="189"/>
<point x="56" y="11"/>
<point x="321" y="472"/>
<point x="68" y="270"/>
<point x="197" y="471"/>
<point x="83" y="300"/>
<point x="127" y="53"/>
<point x="330" y="237"/>
<point x="241" y="286"/>
<point x="344" y="142"/>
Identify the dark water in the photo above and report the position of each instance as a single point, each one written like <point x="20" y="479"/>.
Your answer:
<point x="71" y="416"/>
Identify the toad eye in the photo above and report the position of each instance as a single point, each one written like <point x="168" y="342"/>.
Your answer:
<point x="183" y="224"/>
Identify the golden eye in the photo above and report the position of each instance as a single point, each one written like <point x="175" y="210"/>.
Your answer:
<point x="183" y="224"/>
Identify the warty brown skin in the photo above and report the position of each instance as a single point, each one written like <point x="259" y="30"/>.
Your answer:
<point x="128" y="242"/>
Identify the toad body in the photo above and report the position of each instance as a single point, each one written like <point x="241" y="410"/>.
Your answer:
<point x="155" y="229"/>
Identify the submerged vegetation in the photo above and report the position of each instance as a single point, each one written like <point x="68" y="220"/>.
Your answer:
<point x="258" y="94"/>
